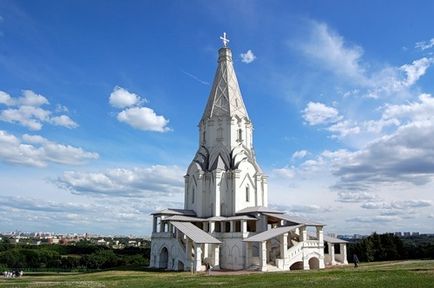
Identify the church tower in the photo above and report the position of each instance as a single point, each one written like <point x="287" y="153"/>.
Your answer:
<point x="223" y="177"/>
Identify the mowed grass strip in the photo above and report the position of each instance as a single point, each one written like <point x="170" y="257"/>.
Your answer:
<point x="382" y="274"/>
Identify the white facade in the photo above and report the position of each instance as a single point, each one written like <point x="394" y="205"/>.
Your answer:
<point x="225" y="221"/>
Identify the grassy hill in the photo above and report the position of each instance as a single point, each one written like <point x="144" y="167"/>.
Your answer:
<point x="380" y="274"/>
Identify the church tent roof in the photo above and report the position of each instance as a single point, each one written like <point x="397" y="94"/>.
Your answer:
<point x="194" y="233"/>
<point x="294" y="219"/>
<point x="269" y="234"/>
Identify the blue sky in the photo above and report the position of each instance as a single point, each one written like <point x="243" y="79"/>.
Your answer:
<point x="100" y="101"/>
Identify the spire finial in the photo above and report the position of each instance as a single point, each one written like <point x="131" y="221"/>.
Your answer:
<point x="225" y="40"/>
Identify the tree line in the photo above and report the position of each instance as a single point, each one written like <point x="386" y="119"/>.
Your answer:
<point x="385" y="247"/>
<point x="82" y="256"/>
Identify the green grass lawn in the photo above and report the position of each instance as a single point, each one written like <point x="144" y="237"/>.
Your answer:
<point x="380" y="274"/>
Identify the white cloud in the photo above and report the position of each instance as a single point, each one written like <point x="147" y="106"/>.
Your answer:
<point x="144" y="118"/>
<point x="329" y="48"/>
<point x="375" y="219"/>
<point x="416" y="111"/>
<point x="30" y="98"/>
<point x="415" y="70"/>
<point x="34" y="150"/>
<point x="63" y="120"/>
<point x="286" y="173"/>
<point x="400" y="205"/>
<point x="122" y="98"/>
<point x="344" y="128"/>
<point x="28" y="116"/>
<point x="334" y="53"/>
<point x="122" y="182"/>
<point x="423" y="45"/>
<point x="317" y="113"/>
<point x="27" y="111"/>
<point x="299" y="154"/>
<point x="248" y="57"/>
<point x="355" y="196"/>
<point x="5" y="98"/>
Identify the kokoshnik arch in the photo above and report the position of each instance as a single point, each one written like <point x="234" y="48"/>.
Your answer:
<point x="225" y="221"/>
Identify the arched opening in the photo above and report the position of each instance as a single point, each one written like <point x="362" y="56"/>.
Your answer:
<point x="164" y="258"/>
<point x="297" y="266"/>
<point x="314" y="263"/>
<point x="180" y="266"/>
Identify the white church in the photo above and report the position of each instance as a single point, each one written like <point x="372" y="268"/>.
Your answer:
<point x="225" y="222"/>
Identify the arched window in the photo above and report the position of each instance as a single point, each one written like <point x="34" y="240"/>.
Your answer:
<point x="192" y="196"/>
<point x="247" y="194"/>
<point x="240" y="135"/>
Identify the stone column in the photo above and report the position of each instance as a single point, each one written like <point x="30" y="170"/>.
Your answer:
<point x="216" y="252"/>
<point x="243" y="226"/>
<point x="305" y="263"/>
<point x="154" y="226"/>
<point x="284" y="246"/>
<point x="186" y="200"/>
<point x="343" y="247"/>
<point x="248" y="255"/>
<point x="161" y="224"/>
<point x="206" y="251"/>
<point x="320" y="235"/>
<point x="265" y="191"/>
<point x="263" y="256"/>
<point x="232" y="226"/>
<point x="198" y="194"/>
<point x="211" y="227"/>
<point x="197" y="257"/>
<point x="332" y="253"/>
<point x="188" y="263"/>
<point x="303" y="233"/>
<point x="217" y="211"/>
<point x="258" y="191"/>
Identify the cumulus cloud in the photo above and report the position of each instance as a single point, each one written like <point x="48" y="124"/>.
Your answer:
<point x="27" y="111"/>
<point x="122" y="98"/>
<point x="63" y="120"/>
<point x="103" y="215"/>
<point x="355" y="196"/>
<point x="400" y="205"/>
<point x="334" y="53"/>
<point x="248" y="57"/>
<point x="32" y="204"/>
<point x="406" y="155"/>
<point x="375" y="219"/>
<point x="286" y="173"/>
<point x="317" y="113"/>
<point x="299" y="154"/>
<point x="415" y="70"/>
<point x="35" y="150"/>
<point x="423" y="45"/>
<point x="122" y="182"/>
<point x="302" y="209"/>
<point x="142" y="118"/>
